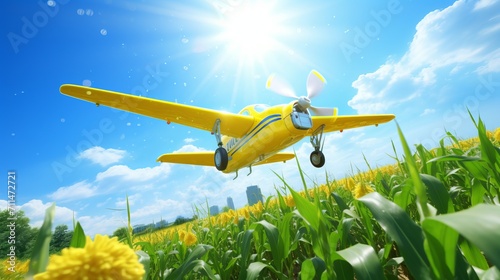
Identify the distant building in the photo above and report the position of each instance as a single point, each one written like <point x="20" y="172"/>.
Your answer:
<point x="254" y="195"/>
<point x="141" y="228"/>
<point x="161" y="224"/>
<point x="230" y="203"/>
<point x="214" y="210"/>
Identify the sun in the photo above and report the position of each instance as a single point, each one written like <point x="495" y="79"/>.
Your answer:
<point x="251" y="31"/>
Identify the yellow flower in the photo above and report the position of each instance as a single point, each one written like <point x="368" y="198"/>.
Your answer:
<point x="190" y="238"/>
<point x="223" y="219"/>
<point x="289" y="201"/>
<point x="182" y="234"/>
<point x="103" y="258"/>
<point x="257" y="208"/>
<point x="245" y="213"/>
<point x="489" y="134"/>
<point x="362" y="189"/>
<point x="496" y="135"/>
<point x="349" y="183"/>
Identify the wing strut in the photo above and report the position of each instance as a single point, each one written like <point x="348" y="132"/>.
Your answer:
<point x="316" y="138"/>
<point x="216" y="132"/>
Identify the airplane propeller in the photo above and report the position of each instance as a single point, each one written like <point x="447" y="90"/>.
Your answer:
<point x="315" y="84"/>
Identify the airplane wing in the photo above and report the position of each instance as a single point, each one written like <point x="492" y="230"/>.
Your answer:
<point x="279" y="157"/>
<point x="194" y="158"/>
<point x="233" y="125"/>
<point x="335" y="123"/>
<point x="207" y="158"/>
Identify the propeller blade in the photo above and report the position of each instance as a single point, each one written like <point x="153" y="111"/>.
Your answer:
<point x="320" y="111"/>
<point x="280" y="86"/>
<point x="315" y="83"/>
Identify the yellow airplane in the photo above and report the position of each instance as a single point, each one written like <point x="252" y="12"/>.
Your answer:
<point x="254" y="136"/>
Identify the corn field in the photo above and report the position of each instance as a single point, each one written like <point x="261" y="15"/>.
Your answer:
<point x="433" y="214"/>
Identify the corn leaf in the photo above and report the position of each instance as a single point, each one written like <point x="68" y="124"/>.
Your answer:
<point x="418" y="186"/>
<point x="78" y="239"/>
<point x="312" y="268"/>
<point x="479" y="224"/>
<point x="364" y="261"/>
<point x="438" y="194"/>
<point x="407" y="235"/>
<point x="255" y="268"/>
<point x="275" y="242"/>
<point x="145" y="260"/>
<point x="40" y="257"/>
<point x="246" y="248"/>
<point x="340" y="202"/>
<point x="191" y="263"/>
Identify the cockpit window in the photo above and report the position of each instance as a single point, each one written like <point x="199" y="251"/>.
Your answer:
<point x="260" y="108"/>
<point x="245" y="113"/>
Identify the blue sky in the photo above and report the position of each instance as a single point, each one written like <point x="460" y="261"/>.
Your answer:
<point x="424" y="62"/>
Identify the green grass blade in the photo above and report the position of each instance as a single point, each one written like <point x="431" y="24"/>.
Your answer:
<point x="479" y="224"/>
<point x="129" y="227"/>
<point x="407" y="235"/>
<point x="40" y="256"/>
<point x="364" y="261"/>
<point x="78" y="239"/>
<point x="301" y="173"/>
<point x="418" y="186"/>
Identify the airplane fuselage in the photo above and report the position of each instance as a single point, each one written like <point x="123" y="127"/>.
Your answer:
<point x="275" y="128"/>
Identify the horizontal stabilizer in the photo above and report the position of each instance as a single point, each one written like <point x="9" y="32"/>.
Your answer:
<point x="279" y="157"/>
<point x="195" y="158"/>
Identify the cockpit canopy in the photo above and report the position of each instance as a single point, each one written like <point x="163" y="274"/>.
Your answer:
<point x="257" y="108"/>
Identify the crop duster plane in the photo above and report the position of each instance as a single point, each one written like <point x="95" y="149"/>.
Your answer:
<point x="256" y="135"/>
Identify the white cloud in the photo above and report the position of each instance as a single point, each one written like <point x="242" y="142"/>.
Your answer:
<point x="460" y="36"/>
<point x="117" y="177"/>
<point x="190" y="140"/>
<point x="132" y="200"/>
<point x="189" y="148"/>
<point x="169" y="207"/>
<point x="481" y="4"/>
<point x="102" y="224"/>
<point x="35" y="210"/>
<point x="428" y="111"/>
<point x="101" y="156"/>
<point x="78" y="190"/>
<point x="125" y="173"/>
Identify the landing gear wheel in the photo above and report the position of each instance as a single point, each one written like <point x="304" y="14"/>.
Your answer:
<point x="317" y="159"/>
<point x="221" y="159"/>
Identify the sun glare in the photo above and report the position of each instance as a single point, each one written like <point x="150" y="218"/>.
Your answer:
<point x="250" y="31"/>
